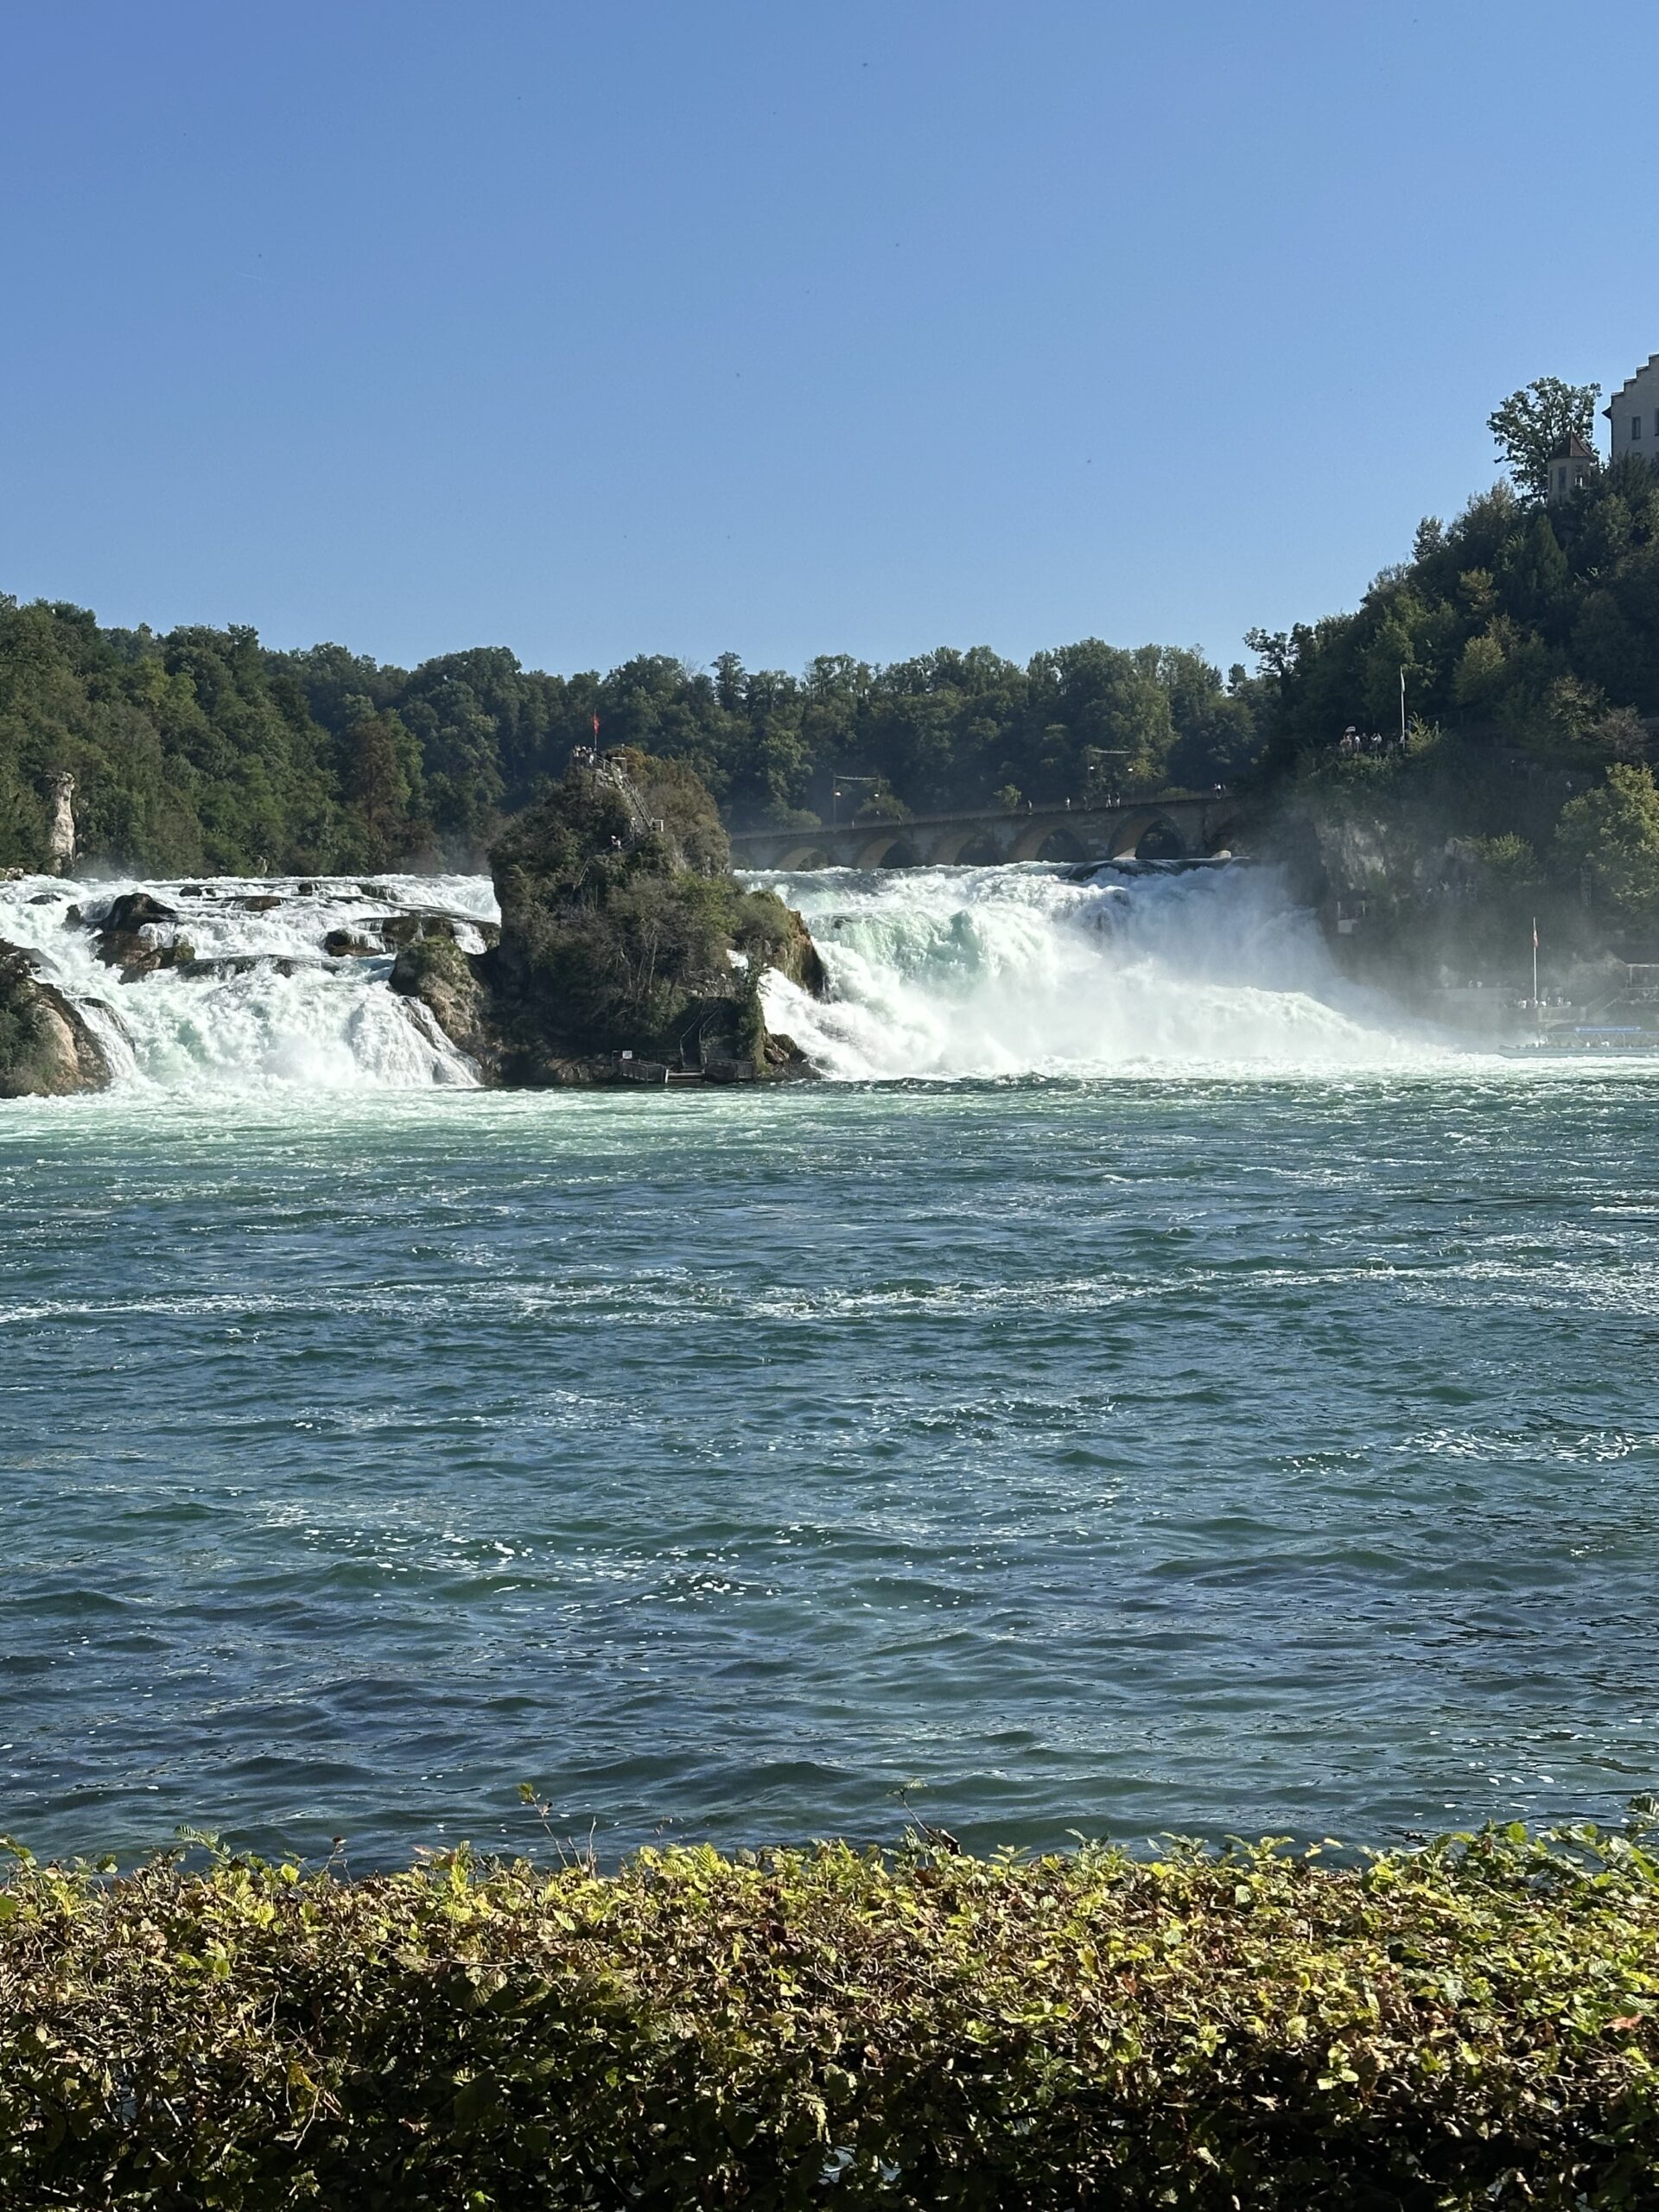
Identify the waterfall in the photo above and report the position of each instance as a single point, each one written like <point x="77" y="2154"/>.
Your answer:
<point x="262" y="1004"/>
<point x="1050" y="970"/>
<point x="935" y="972"/>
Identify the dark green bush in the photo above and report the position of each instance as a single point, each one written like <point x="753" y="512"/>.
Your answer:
<point x="1468" y="2026"/>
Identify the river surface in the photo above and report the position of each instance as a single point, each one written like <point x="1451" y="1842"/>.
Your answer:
<point x="1244" y="1426"/>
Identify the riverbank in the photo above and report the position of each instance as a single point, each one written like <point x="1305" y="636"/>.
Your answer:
<point x="1472" y="2023"/>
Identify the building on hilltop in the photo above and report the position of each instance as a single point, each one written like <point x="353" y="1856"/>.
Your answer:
<point x="1571" y="463"/>
<point x="1633" y="411"/>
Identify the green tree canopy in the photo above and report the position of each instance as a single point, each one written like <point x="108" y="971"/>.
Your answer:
<point x="1537" y="628"/>
<point x="1613" y="833"/>
<point x="202" y="749"/>
<point x="1532" y="421"/>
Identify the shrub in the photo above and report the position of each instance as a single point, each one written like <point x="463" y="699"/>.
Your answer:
<point x="1470" y="2024"/>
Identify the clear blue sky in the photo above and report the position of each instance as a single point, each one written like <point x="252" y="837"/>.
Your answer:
<point x="864" y="326"/>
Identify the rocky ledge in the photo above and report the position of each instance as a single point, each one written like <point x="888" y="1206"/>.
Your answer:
<point x="629" y="953"/>
<point x="140" y="934"/>
<point x="47" y="1050"/>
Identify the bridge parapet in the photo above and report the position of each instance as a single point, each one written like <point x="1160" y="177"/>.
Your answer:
<point x="1173" y="828"/>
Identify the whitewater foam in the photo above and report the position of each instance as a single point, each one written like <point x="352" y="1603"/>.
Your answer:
<point x="285" y="1015"/>
<point x="1014" y="971"/>
<point x="935" y="973"/>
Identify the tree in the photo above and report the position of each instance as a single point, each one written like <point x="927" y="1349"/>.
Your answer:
<point x="1613" y="832"/>
<point x="382" y="779"/>
<point x="1532" y="421"/>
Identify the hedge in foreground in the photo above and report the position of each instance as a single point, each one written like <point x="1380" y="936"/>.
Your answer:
<point x="1471" y="2024"/>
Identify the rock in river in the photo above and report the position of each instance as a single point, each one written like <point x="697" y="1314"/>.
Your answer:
<point x="46" y="1051"/>
<point x="128" y="938"/>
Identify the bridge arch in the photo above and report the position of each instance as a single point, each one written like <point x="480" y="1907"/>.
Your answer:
<point x="805" y="857"/>
<point x="1148" y="835"/>
<point x="973" y="847"/>
<point x="890" y="850"/>
<point x="1045" y="840"/>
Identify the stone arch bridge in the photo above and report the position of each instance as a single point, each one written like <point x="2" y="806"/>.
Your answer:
<point x="1151" y="828"/>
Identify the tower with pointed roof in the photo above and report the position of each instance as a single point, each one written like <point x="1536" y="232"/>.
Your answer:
<point x="1571" y="464"/>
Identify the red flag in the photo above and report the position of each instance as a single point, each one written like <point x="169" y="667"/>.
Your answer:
<point x="595" y="725"/>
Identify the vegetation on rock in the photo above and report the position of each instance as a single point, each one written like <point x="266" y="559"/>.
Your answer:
<point x="1538" y="625"/>
<point x="623" y="928"/>
<point x="624" y="935"/>
<point x="1472" y="2025"/>
<point x="1446" y="847"/>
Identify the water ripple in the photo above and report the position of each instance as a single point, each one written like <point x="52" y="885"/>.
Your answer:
<point x="1203" y="1454"/>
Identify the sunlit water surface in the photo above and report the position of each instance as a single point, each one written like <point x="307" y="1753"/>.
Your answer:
<point x="1192" y="1452"/>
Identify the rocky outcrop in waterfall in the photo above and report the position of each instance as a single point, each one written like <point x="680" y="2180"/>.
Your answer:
<point x="628" y="952"/>
<point x="47" y="1050"/>
<point x="139" y="934"/>
<point x="437" y="975"/>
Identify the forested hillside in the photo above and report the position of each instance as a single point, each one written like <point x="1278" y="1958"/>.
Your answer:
<point x="1528" y="636"/>
<point x="1536" y="624"/>
<point x="202" y="749"/>
<point x="1524" y="628"/>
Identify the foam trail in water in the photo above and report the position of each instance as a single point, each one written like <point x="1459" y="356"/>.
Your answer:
<point x="285" y="1014"/>
<point x="1002" y="971"/>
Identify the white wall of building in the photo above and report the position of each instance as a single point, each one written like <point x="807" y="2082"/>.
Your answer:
<point x="1633" y="413"/>
<point x="1567" y="475"/>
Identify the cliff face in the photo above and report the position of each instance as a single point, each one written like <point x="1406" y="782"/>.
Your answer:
<point x="1431" y="868"/>
<point x="46" y="1051"/>
<point x="626" y="943"/>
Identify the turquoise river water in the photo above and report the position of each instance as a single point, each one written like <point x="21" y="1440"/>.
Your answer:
<point x="1201" y="1409"/>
